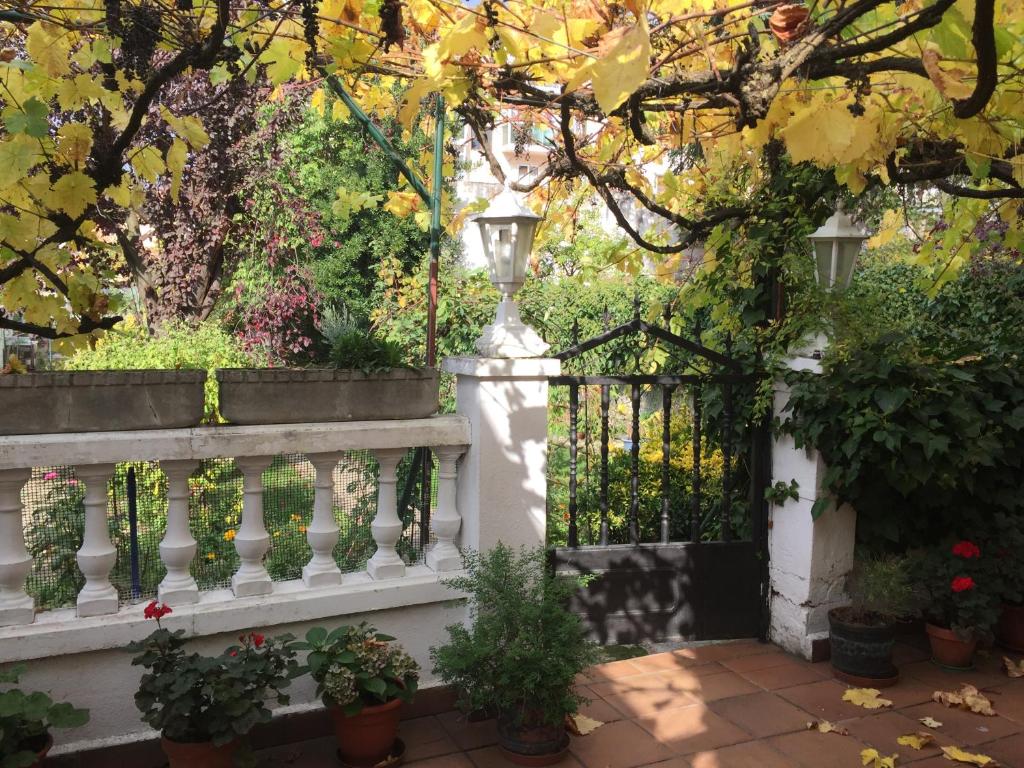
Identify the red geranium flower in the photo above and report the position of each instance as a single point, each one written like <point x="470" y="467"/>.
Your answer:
<point x="966" y="550"/>
<point x="257" y="639"/>
<point x="962" y="583"/>
<point x="157" y="610"/>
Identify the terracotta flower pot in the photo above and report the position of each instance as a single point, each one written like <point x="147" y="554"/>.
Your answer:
<point x="367" y="738"/>
<point x="949" y="649"/>
<point x="1010" y="630"/>
<point x="199" y="755"/>
<point x="531" y="745"/>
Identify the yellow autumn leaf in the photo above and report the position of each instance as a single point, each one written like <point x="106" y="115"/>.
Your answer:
<point x="948" y="82"/>
<point x="401" y="203"/>
<point x="967" y="698"/>
<point x="49" y="46"/>
<point x="411" y="101"/>
<point x="74" y="142"/>
<point x="581" y="725"/>
<point x="189" y="128"/>
<point x="866" y="697"/>
<point x="623" y="69"/>
<point x="148" y="163"/>
<point x="918" y="740"/>
<point x="1012" y="668"/>
<point x="824" y="726"/>
<point x="339" y="111"/>
<point x="930" y="722"/>
<point x="957" y="755"/>
<point x="872" y="759"/>
<point x="72" y="193"/>
<point x="176" y="157"/>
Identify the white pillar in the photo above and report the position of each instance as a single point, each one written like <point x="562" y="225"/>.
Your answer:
<point x="387" y="525"/>
<point x="446" y="521"/>
<point x="502" y="480"/>
<point x="97" y="556"/>
<point x="252" y="540"/>
<point x="16" y="607"/>
<point x="178" y="547"/>
<point x="809" y="560"/>
<point x="322" y="533"/>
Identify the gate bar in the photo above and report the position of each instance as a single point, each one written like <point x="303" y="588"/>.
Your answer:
<point x="603" y="499"/>
<point x="666" y="451"/>
<point x="634" y="480"/>
<point x="574" y="407"/>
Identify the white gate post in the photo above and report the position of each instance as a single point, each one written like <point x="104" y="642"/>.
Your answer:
<point x="502" y="479"/>
<point x="809" y="560"/>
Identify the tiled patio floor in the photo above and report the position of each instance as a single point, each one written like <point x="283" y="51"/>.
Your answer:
<point x="733" y="705"/>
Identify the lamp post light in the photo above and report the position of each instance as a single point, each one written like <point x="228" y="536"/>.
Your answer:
<point x="507" y="229"/>
<point x="837" y="244"/>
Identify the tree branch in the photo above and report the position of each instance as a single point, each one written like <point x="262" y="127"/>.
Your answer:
<point x="984" y="39"/>
<point x="87" y="325"/>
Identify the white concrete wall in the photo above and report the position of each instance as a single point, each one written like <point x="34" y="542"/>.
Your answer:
<point x="809" y="559"/>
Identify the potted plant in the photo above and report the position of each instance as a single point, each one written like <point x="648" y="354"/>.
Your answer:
<point x="862" y="634"/>
<point x="521" y="654"/>
<point x="362" y="679"/>
<point x="359" y="377"/>
<point x="99" y="401"/>
<point x="961" y="600"/>
<point x="204" y="706"/>
<point x="26" y="720"/>
<point x="1007" y="545"/>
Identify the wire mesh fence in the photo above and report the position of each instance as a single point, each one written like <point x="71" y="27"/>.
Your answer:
<point x="54" y="516"/>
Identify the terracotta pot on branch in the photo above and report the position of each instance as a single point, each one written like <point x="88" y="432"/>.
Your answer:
<point x="790" y="22"/>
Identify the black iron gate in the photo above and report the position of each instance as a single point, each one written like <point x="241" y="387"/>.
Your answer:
<point x="678" y="553"/>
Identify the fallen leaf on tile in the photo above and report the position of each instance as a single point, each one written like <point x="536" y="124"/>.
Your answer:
<point x="967" y="698"/>
<point x="581" y="725"/>
<point x="824" y="726"/>
<point x="930" y="722"/>
<point x="871" y="758"/>
<point x="866" y="697"/>
<point x="1013" y="668"/>
<point x="918" y="740"/>
<point x="958" y="755"/>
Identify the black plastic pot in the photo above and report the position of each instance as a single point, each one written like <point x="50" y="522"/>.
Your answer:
<point x="862" y="651"/>
<point x="525" y="743"/>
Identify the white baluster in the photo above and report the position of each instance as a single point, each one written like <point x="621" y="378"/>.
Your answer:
<point x="387" y="526"/>
<point x="322" y="534"/>
<point x="97" y="556"/>
<point x="16" y="607"/>
<point x="252" y="540"/>
<point x="446" y="521"/>
<point x="178" y="548"/>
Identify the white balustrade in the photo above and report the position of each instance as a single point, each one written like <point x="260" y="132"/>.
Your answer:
<point x="16" y="607"/>
<point x="252" y="540"/>
<point x="178" y="548"/>
<point x="322" y="533"/>
<point x="97" y="556"/>
<point x="387" y="525"/>
<point x="446" y="521"/>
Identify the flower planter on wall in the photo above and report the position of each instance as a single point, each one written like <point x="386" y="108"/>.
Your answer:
<point x="100" y="401"/>
<point x="300" y="395"/>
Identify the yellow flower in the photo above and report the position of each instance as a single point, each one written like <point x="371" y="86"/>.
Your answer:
<point x="229" y="535"/>
<point x="211" y="556"/>
<point x="296" y="518"/>
<point x="276" y="534"/>
<point x="302" y="529"/>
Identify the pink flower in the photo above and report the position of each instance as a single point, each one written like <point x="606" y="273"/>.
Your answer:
<point x="72" y="481"/>
<point x="50" y="476"/>
<point x="157" y="610"/>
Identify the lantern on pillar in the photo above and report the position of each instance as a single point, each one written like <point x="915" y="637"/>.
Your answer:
<point x="837" y="244"/>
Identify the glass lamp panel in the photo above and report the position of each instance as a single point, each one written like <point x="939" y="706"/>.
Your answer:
<point x="848" y="252"/>
<point x="525" y="231"/>
<point x="823" y="259"/>
<point x="505" y="261"/>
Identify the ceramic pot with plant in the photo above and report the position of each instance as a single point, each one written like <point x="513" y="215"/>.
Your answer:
<point x="204" y="706"/>
<point x="1007" y="545"/>
<point x="961" y="600"/>
<point x="362" y="678"/>
<point x="521" y="654"/>
<point x="26" y="720"/>
<point x="862" y="634"/>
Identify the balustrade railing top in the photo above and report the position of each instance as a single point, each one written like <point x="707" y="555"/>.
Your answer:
<point x="94" y="456"/>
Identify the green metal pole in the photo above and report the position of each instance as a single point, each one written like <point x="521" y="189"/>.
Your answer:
<point x="435" y="230"/>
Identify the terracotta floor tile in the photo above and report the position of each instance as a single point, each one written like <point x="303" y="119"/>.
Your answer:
<point x="1009" y="751"/>
<point x="466" y="734"/>
<point x="1009" y="701"/>
<point x="944" y="679"/>
<point x="658" y="661"/>
<point x="692" y="729"/>
<point x="908" y="692"/>
<point x="492" y="757"/>
<point x="762" y="714"/>
<point x="784" y="675"/>
<point x="822" y="700"/>
<point x="810" y="749"/>
<point x="881" y="731"/>
<point x="965" y="728"/>
<point x="613" y="670"/>
<point x="457" y="760"/>
<point x="623" y="744"/>
<point x="643" y="694"/>
<point x="722" y="651"/>
<point x="757" y="661"/>
<point x="314" y="753"/>
<point x="902" y="653"/>
<point x="727" y="684"/>
<point x="674" y="762"/>
<point x="645" y="702"/>
<point x="425" y="737"/>
<point x="754" y="754"/>
<point x="600" y="710"/>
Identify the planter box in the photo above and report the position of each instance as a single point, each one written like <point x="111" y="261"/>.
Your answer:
<point x="306" y="395"/>
<point x="100" y="401"/>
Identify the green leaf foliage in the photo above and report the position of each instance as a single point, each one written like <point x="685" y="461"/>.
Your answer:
<point x="27" y="718"/>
